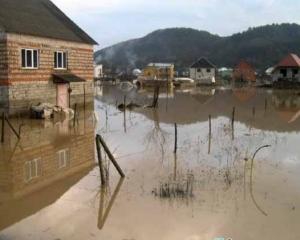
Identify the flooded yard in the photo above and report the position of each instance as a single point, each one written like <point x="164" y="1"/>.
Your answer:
<point x="238" y="179"/>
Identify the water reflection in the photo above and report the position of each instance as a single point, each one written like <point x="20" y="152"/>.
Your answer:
<point x="102" y="215"/>
<point x="45" y="163"/>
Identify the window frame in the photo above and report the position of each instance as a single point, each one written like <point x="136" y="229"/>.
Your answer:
<point x="64" y="159"/>
<point x="32" y="50"/>
<point x="64" y="60"/>
<point x="37" y="173"/>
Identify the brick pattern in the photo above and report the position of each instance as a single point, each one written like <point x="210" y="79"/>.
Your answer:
<point x="44" y="144"/>
<point x="3" y="60"/>
<point x="30" y="86"/>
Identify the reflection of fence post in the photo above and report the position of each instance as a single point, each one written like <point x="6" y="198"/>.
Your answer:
<point x="111" y="157"/>
<point x="100" y="161"/>
<point x="2" y="128"/>
<point x="266" y="105"/>
<point x="12" y="128"/>
<point x="175" y="143"/>
<point x="232" y="121"/>
<point x="253" y="111"/>
<point x="124" y="114"/>
<point x="209" y="137"/>
<point x="75" y="114"/>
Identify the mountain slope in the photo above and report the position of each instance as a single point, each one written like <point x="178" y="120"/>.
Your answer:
<point x="261" y="46"/>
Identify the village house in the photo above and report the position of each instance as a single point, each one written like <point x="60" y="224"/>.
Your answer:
<point x="45" y="56"/>
<point x="203" y="72"/>
<point x="159" y="71"/>
<point x="244" y="73"/>
<point x="287" y="70"/>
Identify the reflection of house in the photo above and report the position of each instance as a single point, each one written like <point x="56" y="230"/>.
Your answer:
<point x="44" y="55"/>
<point x="203" y="72"/>
<point x="159" y="71"/>
<point x="98" y="71"/>
<point x="287" y="69"/>
<point x="31" y="169"/>
<point x="244" y="72"/>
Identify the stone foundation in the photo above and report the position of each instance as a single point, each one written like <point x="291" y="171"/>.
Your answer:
<point x="19" y="97"/>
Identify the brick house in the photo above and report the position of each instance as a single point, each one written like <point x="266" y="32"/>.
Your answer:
<point x="203" y="71"/>
<point x="244" y="72"/>
<point x="44" y="56"/>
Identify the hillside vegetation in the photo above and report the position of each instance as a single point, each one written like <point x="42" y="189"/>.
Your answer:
<point x="262" y="46"/>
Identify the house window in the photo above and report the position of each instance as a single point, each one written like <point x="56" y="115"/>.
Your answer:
<point x="283" y="72"/>
<point x="198" y="70"/>
<point x="295" y="72"/>
<point x="30" y="58"/>
<point x="60" y="60"/>
<point x="32" y="169"/>
<point x="63" y="158"/>
<point x="208" y="70"/>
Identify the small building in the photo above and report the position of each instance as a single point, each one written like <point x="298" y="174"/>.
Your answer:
<point x="244" y="72"/>
<point x="45" y="56"/>
<point x="203" y="72"/>
<point x="159" y="71"/>
<point x="288" y="69"/>
<point x="98" y="71"/>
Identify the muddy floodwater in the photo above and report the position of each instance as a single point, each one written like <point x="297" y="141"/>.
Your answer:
<point x="236" y="176"/>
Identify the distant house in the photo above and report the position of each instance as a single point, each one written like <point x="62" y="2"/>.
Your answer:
<point x="244" y="72"/>
<point x="203" y="72"/>
<point x="98" y="71"/>
<point x="288" y="69"/>
<point x="159" y="71"/>
<point x="45" y="56"/>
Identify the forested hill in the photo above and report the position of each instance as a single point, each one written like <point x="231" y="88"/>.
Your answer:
<point x="262" y="46"/>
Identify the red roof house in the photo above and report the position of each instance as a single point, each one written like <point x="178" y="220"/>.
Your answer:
<point x="287" y="69"/>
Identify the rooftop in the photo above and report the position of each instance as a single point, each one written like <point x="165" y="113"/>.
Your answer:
<point x="160" y="65"/>
<point x="203" y="63"/>
<point x="40" y="18"/>
<point x="291" y="60"/>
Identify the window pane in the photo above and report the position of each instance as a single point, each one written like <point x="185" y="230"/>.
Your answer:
<point x="65" y="60"/>
<point x="23" y="58"/>
<point x="29" y="58"/>
<point x="55" y="60"/>
<point x="35" y="58"/>
<point x="59" y="64"/>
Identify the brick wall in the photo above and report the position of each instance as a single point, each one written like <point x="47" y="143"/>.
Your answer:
<point x="3" y="72"/>
<point x="44" y="143"/>
<point x="30" y="86"/>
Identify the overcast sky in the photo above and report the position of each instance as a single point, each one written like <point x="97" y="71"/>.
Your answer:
<point x="112" y="21"/>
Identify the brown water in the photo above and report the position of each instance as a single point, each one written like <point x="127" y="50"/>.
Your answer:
<point x="205" y="191"/>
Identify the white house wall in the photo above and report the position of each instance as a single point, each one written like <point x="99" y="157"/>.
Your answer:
<point x="202" y="76"/>
<point x="277" y="75"/>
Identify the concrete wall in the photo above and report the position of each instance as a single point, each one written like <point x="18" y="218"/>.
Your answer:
<point x="290" y="76"/>
<point x="202" y="76"/>
<point x="30" y="86"/>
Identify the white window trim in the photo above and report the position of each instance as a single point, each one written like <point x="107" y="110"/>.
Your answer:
<point x="36" y="174"/>
<point x="65" y="159"/>
<point x="32" y="51"/>
<point x="62" y="54"/>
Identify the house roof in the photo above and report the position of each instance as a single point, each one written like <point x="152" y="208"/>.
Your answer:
<point x="203" y="63"/>
<point x="40" y="18"/>
<point x="66" y="78"/>
<point x="291" y="60"/>
<point x="160" y="65"/>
